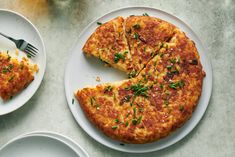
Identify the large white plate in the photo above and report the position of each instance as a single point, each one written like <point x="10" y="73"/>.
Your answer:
<point x="79" y="150"/>
<point x="37" y="146"/>
<point x="17" y="26"/>
<point x="82" y="71"/>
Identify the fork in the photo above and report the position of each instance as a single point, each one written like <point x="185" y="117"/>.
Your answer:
<point x="23" y="45"/>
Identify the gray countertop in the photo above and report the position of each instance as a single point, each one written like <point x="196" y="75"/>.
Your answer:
<point x="214" y="23"/>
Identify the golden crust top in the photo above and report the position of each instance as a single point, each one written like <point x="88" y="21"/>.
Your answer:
<point x="14" y="75"/>
<point x="160" y="99"/>
<point x="109" y="44"/>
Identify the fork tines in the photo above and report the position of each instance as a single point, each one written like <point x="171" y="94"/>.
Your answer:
<point x="31" y="50"/>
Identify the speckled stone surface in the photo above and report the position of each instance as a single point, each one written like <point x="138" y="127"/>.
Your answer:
<point x="212" y="20"/>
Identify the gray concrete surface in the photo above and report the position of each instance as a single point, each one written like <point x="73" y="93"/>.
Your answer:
<point x="212" y="20"/>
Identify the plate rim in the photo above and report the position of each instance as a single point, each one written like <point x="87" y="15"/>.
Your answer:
<point x="52" y="133"/>
<point x="44" y="58"/>
<point x="205" y="52"/>
<point x="26" y="135"/>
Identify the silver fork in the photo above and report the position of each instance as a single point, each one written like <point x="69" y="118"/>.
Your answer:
<point x="24" y="46"/>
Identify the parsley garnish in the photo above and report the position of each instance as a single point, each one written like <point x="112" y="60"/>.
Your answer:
<point x="108" y="89"/>
<point x="118" y="56"/>
<point x="177" y="84"/>
<point x="139" y="90"/>
<point x="92" y="99"/>
<point x="72" y="101"/>
<point x="134" y="121"/>
<point x="136" y="26"/>
<point x="99" y="23"/>
<point x="145" y="14"/>
<point x="114" y="127"/>
<point x="136" y="36"/>
<point x="173" y="60"/>
<point x="116" y="120"/>
<point x="132" y="74"/>
<point x="126" y="124"/>
<point x="11" y="78"/>
<point x="139" y="119"/>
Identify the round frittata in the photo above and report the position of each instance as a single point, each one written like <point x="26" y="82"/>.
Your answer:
<point x="164" y="84"/>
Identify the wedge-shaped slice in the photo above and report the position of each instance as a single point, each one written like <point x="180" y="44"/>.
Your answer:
<point x="109" y="44"/>
<point x="145" y="36"/>
<point x="14" y="75"/>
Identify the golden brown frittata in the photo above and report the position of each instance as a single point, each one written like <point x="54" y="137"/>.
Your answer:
<point x="160" y="99"/>
<point x="145" y="36"/>
<point x="14" y="75"/>
<point x="109" y="44"/>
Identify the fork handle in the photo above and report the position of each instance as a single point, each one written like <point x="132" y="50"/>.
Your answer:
<point x="8" y="37"/>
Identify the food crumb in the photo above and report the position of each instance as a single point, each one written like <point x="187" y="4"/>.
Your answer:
<point x="17" y="52"/>
<point x="98" y="79"/>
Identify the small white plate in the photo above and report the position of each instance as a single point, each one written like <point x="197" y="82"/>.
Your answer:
<point x="79" y="150"/>
<point x="17" y="26"/>
<point x="37" y="146"/>
<point x="82" y="71"/>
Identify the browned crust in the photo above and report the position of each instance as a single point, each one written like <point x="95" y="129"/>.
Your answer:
<point x="14" y="76"/>
<point x="173" y="78"/>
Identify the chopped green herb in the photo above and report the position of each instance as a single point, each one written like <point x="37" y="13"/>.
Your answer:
<point x="178" y="59"/>
<point x="173" y="60"/>
<point x="4" y="70"/>
<point x="136" y="26"/>
<point x="28" y="56"/>
<point x="114" y="127"/>
<point x="141" y="109"/>
<point x="132" y="74"/>
<point x="139" y="119"/>
<point x="116" y="120"/>
<point x="118" y="56"/>
<point x="166" y="102"/>
<point x="11" y="78"/>
<point x="99" y="23"/>
<point x="139" y="90"/>
<point x="108" y="89"/>
<point x="72" y="101"/>
<point x="136" y="36"/>
<point x="151" y="86"/>
<point x="177" y="84"/>
<point x="126" y="124"/>
<point x="181" y="108"/>
<point x="92" y="99"/>
<point x="169" y="67"/>
<point x="127" y="115"/>
<point x="134" y="111"/>
<point x="134" y="121"/>
<point x="145" y="14"/>
<point x="10" y="67"/>
<point x="9" y="57"/>
<point x="161" y="86"/>
<point x="144" y="49"/>
<point x="161" y="55"/>
<point x="126" y="52"/>
<point x="181" y="83"/>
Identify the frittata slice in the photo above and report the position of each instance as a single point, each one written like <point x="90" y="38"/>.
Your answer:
<point x="14" y="75"/>
<point x="109" y="44"/>
<point x="145" y="36"/>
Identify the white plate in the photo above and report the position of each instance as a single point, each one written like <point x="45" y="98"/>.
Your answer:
<point x="37" y="146"/>
<point x="79" y="150"/>
<point x="17" y="26"/>
<point x="82" y="71"/>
